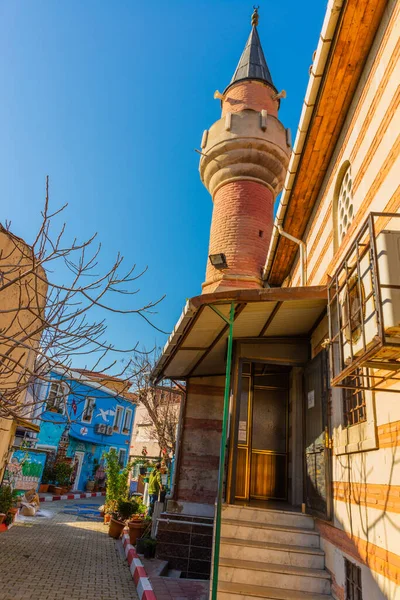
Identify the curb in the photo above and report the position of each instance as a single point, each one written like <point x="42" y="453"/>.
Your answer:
<point x="138" y="572"/>
<point x="72" y="496"/>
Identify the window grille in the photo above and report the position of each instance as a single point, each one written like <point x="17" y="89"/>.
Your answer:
<point x="122" y="457"/>
<point x="56" y="396"/>
<point x="88" y="411"/>
<point x="353" y="581"/>
<point x="345" y="209"/>
<point x="354" y="405"/>
<point x="118" y="418"/>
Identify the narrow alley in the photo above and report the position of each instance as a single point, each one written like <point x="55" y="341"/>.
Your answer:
<point x="61" y="556"/>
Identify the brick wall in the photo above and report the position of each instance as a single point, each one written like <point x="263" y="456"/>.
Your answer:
<point x="252" y="95"/>
<point x="241" y="229"/>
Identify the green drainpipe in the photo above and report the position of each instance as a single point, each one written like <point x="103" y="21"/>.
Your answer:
<point x="217" y="533"/>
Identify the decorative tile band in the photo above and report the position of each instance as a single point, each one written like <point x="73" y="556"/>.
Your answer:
<point x="138" y="572"/>
<point x="71" y="496"/>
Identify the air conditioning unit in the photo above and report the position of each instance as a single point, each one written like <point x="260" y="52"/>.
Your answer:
<point x="109" y="430"/>
<point x="359" y="313"/>
<point x="100" y="428"/>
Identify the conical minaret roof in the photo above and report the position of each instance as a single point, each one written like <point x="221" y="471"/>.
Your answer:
<point x="252" y="63"/>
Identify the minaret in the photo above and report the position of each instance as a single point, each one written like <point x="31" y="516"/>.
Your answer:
<point x="243" y="165"/>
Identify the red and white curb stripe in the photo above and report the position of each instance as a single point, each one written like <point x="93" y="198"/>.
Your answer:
<point x="138" y="572"/>
<point x="71" y="496"/>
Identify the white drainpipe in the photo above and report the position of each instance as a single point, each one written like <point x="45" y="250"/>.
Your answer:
<point x="302" y="247"/>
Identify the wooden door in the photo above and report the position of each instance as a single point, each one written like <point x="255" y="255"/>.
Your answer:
<point x="317" y="453"/>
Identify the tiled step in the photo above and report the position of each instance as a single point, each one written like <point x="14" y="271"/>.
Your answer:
<point x="272" y="575"/>
<point x="237" y="591"/>
<point x="260" y="532"/>
<point x="269" y="552"/>
<point x="273" y="517"/>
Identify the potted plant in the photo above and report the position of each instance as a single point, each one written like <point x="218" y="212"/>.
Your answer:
<point x="62" y="473"/>
<point x="149" y="547"/>
<point x="117" y="483"/>
<point x="138" y="523"/>
<point x="125" y="509"/>
<point x="47" y="476"/>
<point x="6" y="500"/>
<point x="90" y="484"/>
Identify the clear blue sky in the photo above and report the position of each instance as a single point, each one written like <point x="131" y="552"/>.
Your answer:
<point x="110" y="99"/>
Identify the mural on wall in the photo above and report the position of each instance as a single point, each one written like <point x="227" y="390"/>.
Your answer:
<point x="25" y="468"/>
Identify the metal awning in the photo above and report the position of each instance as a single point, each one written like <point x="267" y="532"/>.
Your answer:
<point x="197" y="346"/>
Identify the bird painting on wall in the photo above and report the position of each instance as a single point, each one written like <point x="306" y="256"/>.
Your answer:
<point x="104" y="414"/>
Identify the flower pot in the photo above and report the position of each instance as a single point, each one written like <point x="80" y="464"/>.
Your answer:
<point x="43" y="488"/>
<point x="2" y="517"/>
<point x="64" y="490"/>
<point x="149" y="551"/>
<point x="89" y="486"/>
<point x="136" y="530"/>
<point x="116" y="528"/>
<point x="57" y="490"/>
<point x="51" y="488"/>
<point x="107" y="518"/>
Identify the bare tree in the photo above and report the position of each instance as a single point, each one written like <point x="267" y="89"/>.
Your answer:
<point x="162" y="402"/>
<point x="50" y="293"/>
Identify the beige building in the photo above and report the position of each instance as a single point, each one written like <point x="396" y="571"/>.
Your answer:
<point x="144" y="435"/>
<point x="22" y="300"/>
<point x="291" y="355"/>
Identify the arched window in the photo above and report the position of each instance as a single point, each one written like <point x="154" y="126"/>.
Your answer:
<point x="345" y="207"/>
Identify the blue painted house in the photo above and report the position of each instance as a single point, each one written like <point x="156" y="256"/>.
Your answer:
<point x="89" y="413"/>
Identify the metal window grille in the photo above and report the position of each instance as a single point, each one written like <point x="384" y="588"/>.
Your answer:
<point x="345" y="204"/>
<point x="88" y="412"/>
<point x="353" y="581"/>
<point x="354" y="406"/>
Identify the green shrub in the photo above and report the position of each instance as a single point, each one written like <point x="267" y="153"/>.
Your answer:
<point x="117" y="479"/>
<point x="62" y="473"/>
<point x="6" y="499"/>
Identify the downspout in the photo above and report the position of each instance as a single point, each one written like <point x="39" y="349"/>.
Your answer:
<point x="303" y="257"/>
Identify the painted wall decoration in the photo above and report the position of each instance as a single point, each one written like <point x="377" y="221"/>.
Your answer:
<point x="25" y="468"/>
<point x="94" y="421"/>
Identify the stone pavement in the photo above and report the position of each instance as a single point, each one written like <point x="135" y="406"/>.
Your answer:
<point x="62" y="557"/>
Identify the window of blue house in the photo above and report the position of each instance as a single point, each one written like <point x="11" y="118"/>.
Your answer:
<point x="127" y="421"/>
<point x="56" y="399"/>
<point x="118" y="418"/>
<point x="88" y="410"/>
<point x="122" y="457"/>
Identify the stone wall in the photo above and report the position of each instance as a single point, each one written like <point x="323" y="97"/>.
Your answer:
<point x="197" y="474"/>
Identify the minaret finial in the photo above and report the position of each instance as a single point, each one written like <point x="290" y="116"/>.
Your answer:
<point x="255" y="16"/>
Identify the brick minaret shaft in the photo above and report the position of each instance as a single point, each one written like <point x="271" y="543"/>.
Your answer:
<point x="245" y="155"/>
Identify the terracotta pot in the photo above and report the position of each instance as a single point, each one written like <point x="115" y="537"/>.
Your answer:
<point x="136" y="530"/>
<point x="116" y="528"/>
<point x="89" y="486"/>
<point x="64" y="490"/>
<point x="107" y="518"/>
<point x="43" y="488"/>
<point x="2" y="517"/>
<point x="51" y="488"/>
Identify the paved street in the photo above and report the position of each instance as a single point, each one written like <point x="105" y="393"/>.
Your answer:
<point x="62" y="557"/>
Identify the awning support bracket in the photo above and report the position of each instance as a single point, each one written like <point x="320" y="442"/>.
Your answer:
<point x="218" y="512"/>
